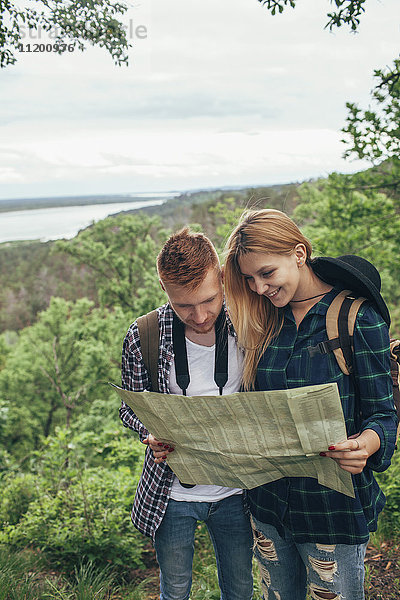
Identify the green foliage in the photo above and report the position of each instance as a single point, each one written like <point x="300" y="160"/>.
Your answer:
<point x="342" y="221"/>
<point x="228" y="215"/>
<point x="375" y="134"/>
<point x="75" y="23"/>
<point x="347" y="12"/>
<point x="389" y="481"/>
<point x="79" y="351"/>
<point x="21" y="491"/>
<point x="30" y="275"/>
<point x="20" y="576"/>
<point x="122" y="252"/>
<point x="25" y="576"/>
<point x="4" y="351"/>
<point x="226" y="210"/>
<point x="89" y="584"/>
<point x="71" y="510"/>
<point x="277" y="5"/>
<point x="73" y="501"/>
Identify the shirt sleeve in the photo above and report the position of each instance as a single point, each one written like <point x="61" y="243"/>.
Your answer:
<point x="134" y="377"/>
<point x="374" y="388"/>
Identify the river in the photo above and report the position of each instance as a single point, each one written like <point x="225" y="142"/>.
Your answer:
<point x="46" y="224"/>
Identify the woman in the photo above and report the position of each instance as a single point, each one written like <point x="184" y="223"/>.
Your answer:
<point x="307" y="535"/>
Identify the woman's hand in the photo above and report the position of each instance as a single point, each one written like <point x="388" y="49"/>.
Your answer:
<point x="352" y="454"/>
<point x="160" y="449"/>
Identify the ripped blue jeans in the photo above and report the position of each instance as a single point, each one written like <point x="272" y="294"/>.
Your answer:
<point x="329" y="571"/>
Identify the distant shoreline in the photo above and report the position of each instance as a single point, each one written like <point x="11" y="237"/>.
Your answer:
<point x="63" y="222"/>
<point x="36" y="203"/>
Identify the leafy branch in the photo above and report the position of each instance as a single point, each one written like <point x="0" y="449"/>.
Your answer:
<point x="347" y="12"/>
<point x="75" y="22"/>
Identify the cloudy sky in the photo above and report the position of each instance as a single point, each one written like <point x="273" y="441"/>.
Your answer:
<point x="217" y="93"/>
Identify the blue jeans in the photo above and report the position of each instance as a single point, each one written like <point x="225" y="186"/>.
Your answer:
<point x="231" y="535"/>
<point x="332" y="572"/>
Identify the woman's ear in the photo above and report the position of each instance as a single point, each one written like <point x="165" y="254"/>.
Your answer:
<point x="300" y="252"/>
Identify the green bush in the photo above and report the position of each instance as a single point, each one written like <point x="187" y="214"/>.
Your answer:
<point x="74" y="511"/>
<point x="18" y="491"/>
<point x="390" y="484"/>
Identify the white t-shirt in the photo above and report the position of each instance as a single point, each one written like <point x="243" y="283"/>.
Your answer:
<point x="201" y="370"/>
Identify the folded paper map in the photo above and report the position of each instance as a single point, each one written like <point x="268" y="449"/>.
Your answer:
<point x="248" y="438"/>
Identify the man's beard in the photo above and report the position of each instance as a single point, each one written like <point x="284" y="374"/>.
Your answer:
<point x="200" y="331"/>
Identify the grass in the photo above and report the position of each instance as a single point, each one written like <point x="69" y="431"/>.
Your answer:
<point x="21" y="577"/>
<point x="25" y="576"/>
<point x="88" y="583"/>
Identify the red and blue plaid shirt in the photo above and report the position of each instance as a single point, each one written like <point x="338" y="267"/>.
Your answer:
<point x="154" y="488"/>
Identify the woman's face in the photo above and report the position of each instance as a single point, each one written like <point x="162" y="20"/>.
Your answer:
<point x="276" y="276"/>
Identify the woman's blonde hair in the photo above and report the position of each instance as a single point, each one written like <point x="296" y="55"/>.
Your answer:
<point x="254" y="317"/>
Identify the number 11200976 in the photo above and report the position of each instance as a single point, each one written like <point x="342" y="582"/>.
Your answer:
<point x="46" y="48"/>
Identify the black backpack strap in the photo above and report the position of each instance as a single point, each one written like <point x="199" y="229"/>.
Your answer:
<point x="149" y="342"/>
<point x="221" y="351"/>
<point x="180" y="354"/>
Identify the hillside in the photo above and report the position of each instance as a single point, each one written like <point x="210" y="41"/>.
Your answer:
<point x="31" y="272"/>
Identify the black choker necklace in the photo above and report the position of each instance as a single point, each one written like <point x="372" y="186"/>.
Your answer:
<point x="312" y="298"/>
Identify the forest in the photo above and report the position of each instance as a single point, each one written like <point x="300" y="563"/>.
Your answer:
<point x="68" y="468"/>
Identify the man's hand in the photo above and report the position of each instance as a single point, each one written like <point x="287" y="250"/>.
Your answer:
<point x="160" y="449"/>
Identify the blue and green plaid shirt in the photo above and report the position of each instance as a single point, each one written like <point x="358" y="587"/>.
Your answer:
<point x="312" y="512"/>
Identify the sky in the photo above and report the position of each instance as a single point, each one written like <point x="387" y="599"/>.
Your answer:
<point x="217" y="93"/>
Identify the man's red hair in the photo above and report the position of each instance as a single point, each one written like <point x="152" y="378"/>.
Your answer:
<point x="186" y="258"/>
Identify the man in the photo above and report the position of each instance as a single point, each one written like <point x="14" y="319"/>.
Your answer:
<point x="193" y="324"/>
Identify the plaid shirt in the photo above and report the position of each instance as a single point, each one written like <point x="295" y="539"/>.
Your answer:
<point x="312" y="512"/>
<point x="154" y="488"/>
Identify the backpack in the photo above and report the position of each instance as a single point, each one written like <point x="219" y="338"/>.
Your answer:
<point x="340" y="321"/>
<point x="149" y="332"/>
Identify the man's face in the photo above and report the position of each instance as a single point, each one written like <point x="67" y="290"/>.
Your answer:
<point x="198" y="309"/>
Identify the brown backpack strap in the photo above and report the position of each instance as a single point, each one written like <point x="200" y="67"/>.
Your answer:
<point x="149" y="342"/>
<point x="394" y="370"/>
<point x="333" y="326"/>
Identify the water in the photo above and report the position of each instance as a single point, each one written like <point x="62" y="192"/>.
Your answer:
<point x="64" y="222"/>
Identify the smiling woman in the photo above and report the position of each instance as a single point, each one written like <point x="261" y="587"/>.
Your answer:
<point x="280" y="278"/>
<point x="308" y="537"/>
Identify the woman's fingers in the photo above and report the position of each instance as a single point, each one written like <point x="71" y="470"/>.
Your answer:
<point x="351" y="454"/>
<point x="349" y="445"/>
